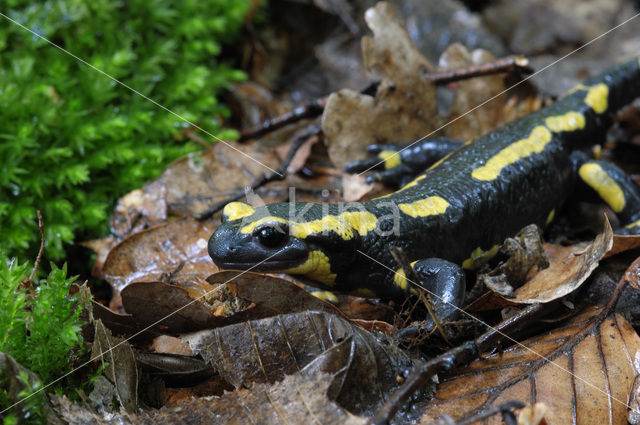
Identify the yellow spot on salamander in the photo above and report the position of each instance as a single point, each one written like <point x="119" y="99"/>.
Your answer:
<point x="363" y="292"/>
<point x="317" y="267"/>
<point x="432" y="205"/>
<point x="597" y="97"/>
<point x="550" y="217"/>
<point x="400" y="279"/>
<point x="632" y="225"/>
<point x="539" y="138"/>
<point x="598" y="179"/>
<point x="236" y="210"/>
<point x="326" y="296"/>
<point x="480" y="257"/>
<point x="391" y="159"/>
<point x="576" y="88"/>
<point x="347" y="225"/>
<point x="568" y="122"/>
<point x="596" y="150"/>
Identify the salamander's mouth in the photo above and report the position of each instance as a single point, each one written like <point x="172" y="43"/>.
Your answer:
<point x="261" y="266"/>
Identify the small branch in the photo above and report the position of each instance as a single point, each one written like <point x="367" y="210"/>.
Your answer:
<point x="28" y="282"/>
<point x="510" y="64"/>
<point x="262" y="179"/>
<point x="309" y="109"/>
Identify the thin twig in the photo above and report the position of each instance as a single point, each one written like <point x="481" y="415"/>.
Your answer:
<point x="510" y="64"/>
<point x="28" y="282"/>
<point x="309" y="109"/>
<point x="263" y="179"/>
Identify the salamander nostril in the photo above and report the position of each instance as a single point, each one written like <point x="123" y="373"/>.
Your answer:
<point x="232" y="249"/>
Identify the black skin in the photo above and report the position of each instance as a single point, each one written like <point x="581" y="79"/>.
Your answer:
<point x="480" y="213"/>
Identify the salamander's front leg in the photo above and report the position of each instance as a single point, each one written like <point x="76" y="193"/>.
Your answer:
<point x="398" y="165"/>
<point x="445" y="282"/>
<point x="614" y="187"/>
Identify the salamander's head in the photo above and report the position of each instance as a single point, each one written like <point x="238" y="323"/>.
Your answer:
<point x="268" y="239"/>
<point x="249" y="236"/>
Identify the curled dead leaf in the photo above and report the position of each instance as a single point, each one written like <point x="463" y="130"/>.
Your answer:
<point x="365" y="366"/>
<point x="404" y="107"/>
<point x="176" y="251"/>
<point x="581" y="371"/>
<point x="294" y="400"/>
<point x="568" y="268"/>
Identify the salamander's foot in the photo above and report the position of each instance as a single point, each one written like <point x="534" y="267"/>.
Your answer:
<point x="398" y="163"/>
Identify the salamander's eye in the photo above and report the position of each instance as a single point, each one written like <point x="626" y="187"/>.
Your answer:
<point x="272" y="236"/>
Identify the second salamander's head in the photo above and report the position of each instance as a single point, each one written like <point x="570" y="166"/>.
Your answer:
<point x="256" y="239"/>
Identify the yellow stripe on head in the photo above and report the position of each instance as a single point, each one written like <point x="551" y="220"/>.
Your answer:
<point x="317" y="266"/>
<point x="236" y="210"/>
<point x="598" y="179"/>
<point x="536" y="142"/>
<point x="347" y="225"/>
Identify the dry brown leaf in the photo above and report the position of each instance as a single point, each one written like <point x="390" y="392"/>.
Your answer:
<point x="178" y="311"/>
<point x="633" y="409"/>
<point x="170" y="345"/>
<point x="176" y="250"/>
<point x="404" y="107"/>
<point x="533" y="414"/>
<point x="599" y="354"/>
<point x="295" y="400"/>
<point x="265" y="350"/>
<point x="117" y="358"/>
<point x="269" y="295"/>
<point x="354" y="187"/>
<point x="568" y="268"/>
<point x="623" y="243"/>
<point x="471" y="93"/>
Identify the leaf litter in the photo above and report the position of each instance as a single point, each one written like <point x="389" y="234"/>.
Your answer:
<point x="156" y="260"/>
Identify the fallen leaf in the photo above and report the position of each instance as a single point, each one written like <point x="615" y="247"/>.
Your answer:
<point x="170" y="345"/>
<point x="404" y="106"/>
<point x="471" y="123"/>
<point x="566" y="272"/>
<point x="582" y="372"/>
<point x="354" y="187"/>
<point x="119" y="363"/>
<point x="366" y="366"/>
<point x="269" y="294"/>
<point x="176" y="250"/>
<point x="295" y="400"/>
<point x="623" y="243"/>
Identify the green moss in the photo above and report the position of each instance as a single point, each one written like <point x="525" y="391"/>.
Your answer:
<point x="39" y="328"/>
<point x="72" y="140"/>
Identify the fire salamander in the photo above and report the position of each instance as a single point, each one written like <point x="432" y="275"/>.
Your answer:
<point x="456" y="213"/>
